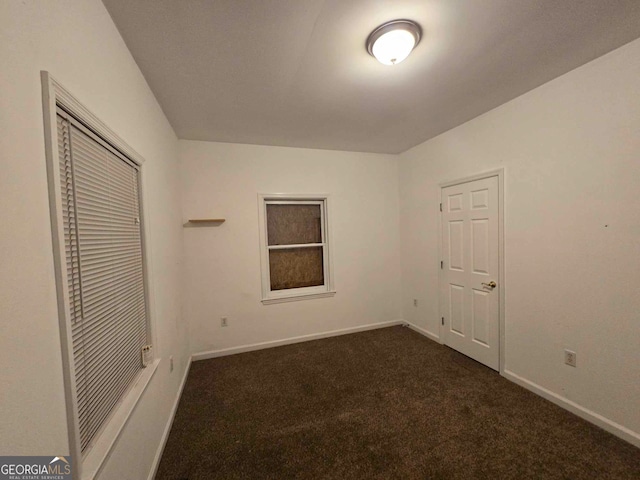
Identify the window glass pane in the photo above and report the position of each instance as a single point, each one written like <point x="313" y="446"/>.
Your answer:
<point x="293" y="224"/>
<point x="296" y="268"/>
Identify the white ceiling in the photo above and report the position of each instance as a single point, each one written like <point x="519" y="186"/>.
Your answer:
<point x="296" y="72"/>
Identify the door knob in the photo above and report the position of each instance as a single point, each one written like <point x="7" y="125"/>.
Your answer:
<point x="491" y="284"/>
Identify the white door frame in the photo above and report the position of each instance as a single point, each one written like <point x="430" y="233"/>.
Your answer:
<point x="501" y="283"/>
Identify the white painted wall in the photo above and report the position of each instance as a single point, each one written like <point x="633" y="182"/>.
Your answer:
<point x="76" y="41"/>
<point x="222" y="263"/>
<point x="571" y="153"/>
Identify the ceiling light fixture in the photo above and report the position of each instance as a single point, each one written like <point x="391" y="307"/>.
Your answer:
<point x="393" y="41"/>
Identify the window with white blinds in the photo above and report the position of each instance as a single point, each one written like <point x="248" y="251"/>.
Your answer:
<point x="104" y="268"/>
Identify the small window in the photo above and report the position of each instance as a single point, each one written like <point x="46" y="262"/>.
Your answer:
<point x="295" y="247"/>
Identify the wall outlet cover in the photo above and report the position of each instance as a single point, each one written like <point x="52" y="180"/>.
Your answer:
<point x="570" y="358"/>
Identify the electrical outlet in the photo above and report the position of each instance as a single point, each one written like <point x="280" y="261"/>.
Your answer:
<point x="415" y="302"/>
<point x="171" y="363"/>
<point x="570" y="358"/>
<point x="224" y="321"/>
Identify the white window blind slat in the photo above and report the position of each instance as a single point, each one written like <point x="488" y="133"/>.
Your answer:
<point x="99" y="411"/>
<point x="97" y="247"/>
<point x="99" y="279"/>
<point x="103" y="272"/>
<point x="128" y="358"/>
<point x="99" y="415"/>
<point x="97" y="179"/>
<point x="103" y="329"/>
<point x="99" y="213"/>
<point x="103" y="246"/>
<point x="115" y="257"/>
<point x="107" y="300"/>
<point x="94" y="199"/>
<point x="117" y="222"/>
<point x="99" y="350"/>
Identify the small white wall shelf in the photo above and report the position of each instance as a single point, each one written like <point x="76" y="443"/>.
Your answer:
<point x="206" y="220"/>
<point x="203" y="222"/>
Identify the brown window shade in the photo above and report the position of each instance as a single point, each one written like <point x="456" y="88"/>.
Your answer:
<point x="296" y="268"/>
<point x="293" y="224"/>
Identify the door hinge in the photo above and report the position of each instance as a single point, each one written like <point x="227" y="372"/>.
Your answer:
<point x="440" y="207"/>
<point x="442" y="320"/>
<point x="441" y="264"/>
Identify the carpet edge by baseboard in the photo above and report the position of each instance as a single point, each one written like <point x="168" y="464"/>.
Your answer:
<point x="167" y="428"/>
<point x="610" y="426"/>
<point x="422" y="331"/>
<point x="291" y="340"/>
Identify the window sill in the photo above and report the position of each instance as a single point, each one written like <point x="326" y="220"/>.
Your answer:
<point x="295" y="298"/>
<point x="100" y="450"/>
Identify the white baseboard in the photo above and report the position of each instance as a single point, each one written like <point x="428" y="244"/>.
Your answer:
<point x="422" y="331"/>
<point x="584" y="413"/>
<point x="167" y="428"/>
<point x="588" y="415"/>
<point x="288" y="341"/>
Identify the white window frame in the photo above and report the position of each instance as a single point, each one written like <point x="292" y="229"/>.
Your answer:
<point x="293" y="294"/>
<point x="87" y="465"/>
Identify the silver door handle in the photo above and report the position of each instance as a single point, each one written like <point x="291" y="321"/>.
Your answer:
<point x="491" y="284"/>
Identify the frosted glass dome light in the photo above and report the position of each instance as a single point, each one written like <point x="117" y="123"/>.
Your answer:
<point x="392" y="42"/>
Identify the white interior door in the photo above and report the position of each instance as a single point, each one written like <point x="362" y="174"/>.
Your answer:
<point x="470" y="303"/>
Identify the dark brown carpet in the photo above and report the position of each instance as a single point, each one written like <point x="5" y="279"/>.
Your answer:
<point x="381" y="404"/>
